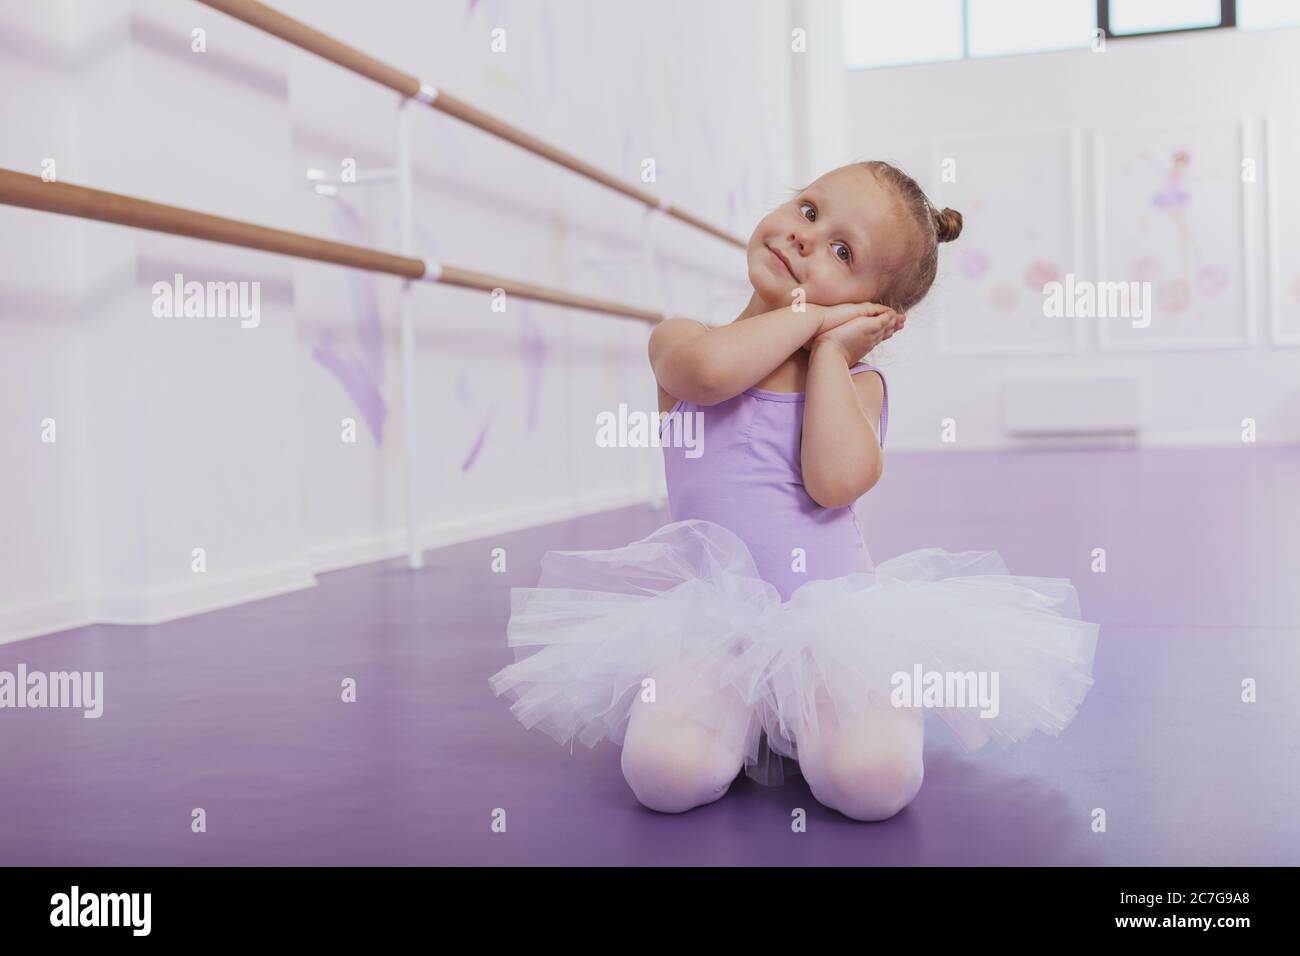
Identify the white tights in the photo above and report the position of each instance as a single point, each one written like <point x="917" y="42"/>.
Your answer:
<point x="867" y="769"/>
<point x="674" y="763"/>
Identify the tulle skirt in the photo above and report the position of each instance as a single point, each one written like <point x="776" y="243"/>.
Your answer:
<point x="997" y="656"/>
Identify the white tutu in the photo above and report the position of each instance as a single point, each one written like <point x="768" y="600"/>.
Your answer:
<point x="688" y="599"/>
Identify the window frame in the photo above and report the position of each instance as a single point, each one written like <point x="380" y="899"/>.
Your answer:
<point x="1227" y="21"/>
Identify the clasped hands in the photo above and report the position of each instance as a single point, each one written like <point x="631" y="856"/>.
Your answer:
<point x="855" y="328"/>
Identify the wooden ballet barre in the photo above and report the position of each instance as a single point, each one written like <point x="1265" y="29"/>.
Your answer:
<point x="300" y="35"/>
<point x="31" y="192"/>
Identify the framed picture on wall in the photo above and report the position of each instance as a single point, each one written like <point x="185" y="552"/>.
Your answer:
<point x="1174" y="223"/>
<point x="1021" y="202"/>
<point x="1282" y="153"/>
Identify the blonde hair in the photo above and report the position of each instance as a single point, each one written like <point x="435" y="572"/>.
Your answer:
<point x="905" y="287"/>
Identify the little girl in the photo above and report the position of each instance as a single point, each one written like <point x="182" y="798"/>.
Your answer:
<point x="753" y="632"/>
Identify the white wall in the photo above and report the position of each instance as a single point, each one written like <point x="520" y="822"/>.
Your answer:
<point x="1189" y="397"/>
<point x="175" y="434"/>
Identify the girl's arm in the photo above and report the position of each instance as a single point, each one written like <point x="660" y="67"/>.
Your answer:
<point x="709" y="365"/>
<point x="840" y="454"/>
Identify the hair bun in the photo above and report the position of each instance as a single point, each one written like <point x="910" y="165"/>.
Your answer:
<point x="947" y="224"/>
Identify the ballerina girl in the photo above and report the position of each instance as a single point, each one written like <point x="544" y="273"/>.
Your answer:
<point x="753" y="633"/>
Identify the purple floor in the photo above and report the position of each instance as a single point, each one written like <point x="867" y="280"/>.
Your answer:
<point x="238" y="711"/>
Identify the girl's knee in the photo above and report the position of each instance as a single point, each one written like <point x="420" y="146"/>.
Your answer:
<point x="676" y="769"/>
<point x="867" y="786"/>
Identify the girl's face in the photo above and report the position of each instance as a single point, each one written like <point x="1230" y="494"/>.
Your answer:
<point x="837" y="240"/>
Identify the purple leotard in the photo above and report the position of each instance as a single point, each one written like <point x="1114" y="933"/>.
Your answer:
<point x="748" y="479"/>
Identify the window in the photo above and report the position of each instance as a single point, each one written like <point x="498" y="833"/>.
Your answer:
<point x="889" y="33"/>
<point x="997" y="27"/>
<point x="895" y="32"/>
<point x="1128" y="17"/>
<point x="1265" y="14"/>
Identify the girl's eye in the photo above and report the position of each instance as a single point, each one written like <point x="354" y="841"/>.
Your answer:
<point x="848" y="253"/>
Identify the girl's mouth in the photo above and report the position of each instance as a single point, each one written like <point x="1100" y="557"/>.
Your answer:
<point x="783" y="262"/>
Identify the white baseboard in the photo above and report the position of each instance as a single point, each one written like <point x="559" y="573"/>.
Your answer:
<point x="205" y="593"/>
<point x="1200" y="439"/>
<point x="154" y="606"/>
<point x="21" y="621"/>
<point x="392" y="544"/>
